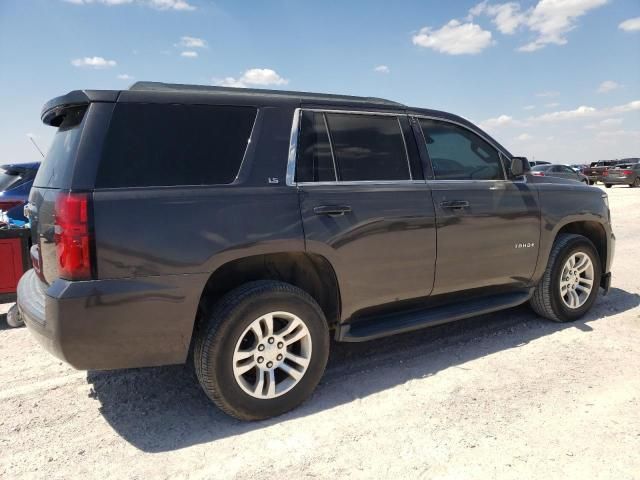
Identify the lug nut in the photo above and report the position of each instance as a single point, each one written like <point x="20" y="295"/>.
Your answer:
<point x="271" y="340"/>
<point x="270" y="364"/>
<point x="260" y="348"/>
<point x="279" y="357"/>
<point x="260" y="359"/>
<point x="280" y="344"/>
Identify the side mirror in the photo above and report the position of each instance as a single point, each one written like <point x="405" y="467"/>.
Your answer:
<point x="519" y="165"/>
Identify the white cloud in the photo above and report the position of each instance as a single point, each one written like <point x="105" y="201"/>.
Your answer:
<point x="124" y="76"/>
<point x="191" y="42"/>
<point x="547" y="94"/>
<point x="606" y="123"/>
<point x="551" y="105"/>
<point x="501" y="121"/>
<point x="607" y="86"/>
<point x="506" y="16"/>
<point x="170" y="4"/>
<point x="253" y="77"/>
<point x="529" y="107"/>
<point x="628" y="107"/>
<point x="454" y="38"/>
<point x="157" y="4"/>
<point x="580" y="112"/>
<point x="93" y="62"/>
<point x="524" y="137"/>
<point x="631" y="25"/>
<point x="189" y="54"/>
<point x="382" y="69"/>
<point x="551" y="20"/>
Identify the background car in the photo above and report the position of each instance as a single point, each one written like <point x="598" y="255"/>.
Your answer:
<point x="533" y="163"/>
<point x="15" y="184"/>
<point x="562" y="171"/>
<point x="628" y="174"/>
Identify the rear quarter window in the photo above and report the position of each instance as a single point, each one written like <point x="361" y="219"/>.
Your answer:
<point x="168" y="144"/>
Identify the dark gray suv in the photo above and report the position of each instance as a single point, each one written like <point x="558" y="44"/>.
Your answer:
<point x="240" y="227"/>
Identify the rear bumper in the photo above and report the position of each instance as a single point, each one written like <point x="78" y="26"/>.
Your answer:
<point x="110" y="324"/>
<point x="617" y="180"/>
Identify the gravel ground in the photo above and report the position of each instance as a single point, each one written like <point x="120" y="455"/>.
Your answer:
<point x="506" y="395"/>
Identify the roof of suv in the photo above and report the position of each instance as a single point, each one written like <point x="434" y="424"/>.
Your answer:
<point x="255" y="92"/>
<point x="151" y="92"/>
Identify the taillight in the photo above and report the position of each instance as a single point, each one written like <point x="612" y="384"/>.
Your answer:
<point x="627" y="172"/>
<point x="72" y="236"/>
<point x="605" y="173"/>
<point x="538" y="174"/>
<point x="7" y="205"/>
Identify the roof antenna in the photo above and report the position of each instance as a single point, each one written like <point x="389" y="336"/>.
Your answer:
<point x="35" y="144"/>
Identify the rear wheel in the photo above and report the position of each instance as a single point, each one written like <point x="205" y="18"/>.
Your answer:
<point x="570" y="283"/>
<point x="636" y="183"/>
<point x="263" y="350"/>
<point x="608" y="185"/>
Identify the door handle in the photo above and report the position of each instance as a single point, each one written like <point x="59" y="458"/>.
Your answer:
<point x="455" y="204"/>
<point x="332" y="210"/>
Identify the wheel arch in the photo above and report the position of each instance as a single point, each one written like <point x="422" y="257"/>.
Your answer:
<point x="592" y="230"/>
<point x="310" y="272"/>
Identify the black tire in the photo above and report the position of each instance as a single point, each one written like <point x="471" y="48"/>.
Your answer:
<point x="590" y="182"/>
<point x="608" y="185"/>
<point x="636" y="183"/>
<point x="215" y="344"/>
<point x="546" y="300"/>
<point x="14" y="319"/>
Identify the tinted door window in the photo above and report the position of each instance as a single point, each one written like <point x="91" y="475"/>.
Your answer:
<point x="158" y="145"/>
<point x="315" y="158"/>
<point x="368" y="147"/>
<point x="458" y="154"/>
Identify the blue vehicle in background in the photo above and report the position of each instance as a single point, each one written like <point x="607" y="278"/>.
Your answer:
<point x="15" y="183"/>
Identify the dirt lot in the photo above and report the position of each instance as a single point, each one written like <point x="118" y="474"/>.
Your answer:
<point x="506" y="395"/>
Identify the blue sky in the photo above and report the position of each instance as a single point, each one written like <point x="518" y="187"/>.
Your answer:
<point x="555" y="80"/>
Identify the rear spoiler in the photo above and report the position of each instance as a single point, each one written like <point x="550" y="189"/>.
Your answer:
<point x="54" y="110"/>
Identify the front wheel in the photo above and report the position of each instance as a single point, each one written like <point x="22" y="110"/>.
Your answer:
<point x="608" y="185"/>
<point x="263" y="350"/>
<point x="570" y="283"/>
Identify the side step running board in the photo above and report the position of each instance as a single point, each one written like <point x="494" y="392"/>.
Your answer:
<point x="392" y="324"/>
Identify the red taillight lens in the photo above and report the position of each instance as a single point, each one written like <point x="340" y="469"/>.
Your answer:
<point x="8" y="205"/>
<point x="538" y="174"/>
<point x="72" y="237"/>
<point x="627" y="172"/>
<point x="605" y="173"/>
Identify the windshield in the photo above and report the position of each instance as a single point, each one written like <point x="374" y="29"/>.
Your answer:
<point x="9" y="178"/>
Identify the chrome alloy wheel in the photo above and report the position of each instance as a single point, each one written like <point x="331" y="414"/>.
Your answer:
<point x="576" y="280"/>
<point x="272" y="355"/>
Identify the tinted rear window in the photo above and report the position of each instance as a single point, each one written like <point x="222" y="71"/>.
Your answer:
<point x="368" y="147"/>
<point x="57" y="167"/>
<point x="160" y="145"/>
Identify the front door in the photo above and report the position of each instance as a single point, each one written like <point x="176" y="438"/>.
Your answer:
<point x="488" y="226"/>
<point x="365" y="206"/>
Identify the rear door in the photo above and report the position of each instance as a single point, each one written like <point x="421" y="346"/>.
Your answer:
<point x="365" y="205"/>
<point x="488" y="225"/>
